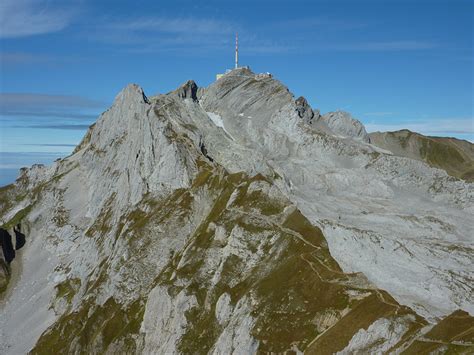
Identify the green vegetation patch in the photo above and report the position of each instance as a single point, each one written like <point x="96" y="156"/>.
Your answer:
<point x="92" y="329"/>
<point x="4" y="276"/>
<point x="257" y="199"/>
<point x="102" y="224"/>
<point x="18" y="217"/>
<point x="300" y="224"/>
<point x="67" y="289"/>
<point x="292" y="293"/>
<point x="439" y="154"/>
<point x="203" y="329"/>
<point x="457" y="326"/>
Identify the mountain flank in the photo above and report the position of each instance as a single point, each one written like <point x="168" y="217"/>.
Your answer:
<point x="453" y="155"/>
<point x="237" y="219"/>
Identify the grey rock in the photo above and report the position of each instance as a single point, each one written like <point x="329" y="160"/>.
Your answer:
<point x="188" y="90"/>
<point x="304" y="110"/>
<point x="342" y="123"/>
<point x="139" y="215"/>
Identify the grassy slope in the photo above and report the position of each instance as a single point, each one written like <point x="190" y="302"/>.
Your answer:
<point x="296" y="282"/>
<point x="454" y="156"/>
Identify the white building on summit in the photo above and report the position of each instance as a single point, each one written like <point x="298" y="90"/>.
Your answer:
<point x="258" y="76"/>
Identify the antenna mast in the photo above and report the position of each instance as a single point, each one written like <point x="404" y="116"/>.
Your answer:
<point x="236" y="50"/>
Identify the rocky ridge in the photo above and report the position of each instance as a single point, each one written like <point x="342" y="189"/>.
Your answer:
<point x="235" y="218"/>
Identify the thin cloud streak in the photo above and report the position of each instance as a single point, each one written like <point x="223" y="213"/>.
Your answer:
<point x="51" y="145"/>
<point x="45" y="111"/>
<point x="397" y="45"/>
<point x="188" y="25"/>
<point x="67" y="127"/>
<point x="41" y="58"/>
<point x="20" y="100"/>
<point x="463" y="126"/>
<point x="20" y="18"/>
<point x="152" y="35"/>
<point x="382" y="113"/>
<point x="32" y="114"/>
<point x="308" y="23"/>
<point x="203" y="35"/>
<point x="165" y="32"/>
<point x="23" y="58"/>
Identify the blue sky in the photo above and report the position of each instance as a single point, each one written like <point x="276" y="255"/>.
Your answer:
<point x="392" y="64"/>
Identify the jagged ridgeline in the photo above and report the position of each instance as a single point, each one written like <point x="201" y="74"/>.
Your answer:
<point x="235" y="219"/>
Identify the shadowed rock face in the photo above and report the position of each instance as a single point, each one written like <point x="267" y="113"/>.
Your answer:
<point x="7" y="245"/>
<point x="188" y="90"/>
<point x="232" y="224"/>
<point x="304" y="110"/>
<point x="20" y="238"/>
<point x="8" y="253"/>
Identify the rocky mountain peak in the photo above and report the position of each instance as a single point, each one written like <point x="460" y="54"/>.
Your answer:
<point x="132" y="93"/>
<point x="243" y="222"/>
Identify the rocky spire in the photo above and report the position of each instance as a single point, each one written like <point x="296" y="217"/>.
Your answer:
<point x="188" y="90"/>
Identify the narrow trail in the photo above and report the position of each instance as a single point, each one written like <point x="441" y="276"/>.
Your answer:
<point x="454" y="342"/>
<point x="381" y="297"/>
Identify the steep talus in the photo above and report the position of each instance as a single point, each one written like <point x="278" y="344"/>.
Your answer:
<point x="236" y="219"/>
<point x="453" y="155"/>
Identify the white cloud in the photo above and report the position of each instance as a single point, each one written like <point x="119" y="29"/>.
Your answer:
<point x="20" y="18"/>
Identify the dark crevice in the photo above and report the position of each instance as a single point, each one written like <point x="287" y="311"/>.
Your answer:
<point x="7" y="245"/>
<point x="203" y="149"/>
<point x="20" y="237"/>
<point x="188" y="90"/>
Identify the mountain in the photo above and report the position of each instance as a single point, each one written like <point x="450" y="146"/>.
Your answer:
<point x="453" y="155"/>
<point x="235" y="219"/>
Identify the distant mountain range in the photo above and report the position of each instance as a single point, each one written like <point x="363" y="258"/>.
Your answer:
<point x="453" y="155"/>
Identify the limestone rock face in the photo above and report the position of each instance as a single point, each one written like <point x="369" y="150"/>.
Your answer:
<point x="342" y="123"/>
<point x="188" y="90"/>
<point x="234" y="218"/>
<point x="304" y="110"/>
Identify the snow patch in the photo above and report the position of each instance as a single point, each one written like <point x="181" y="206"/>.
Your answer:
<point x="217" y="120"/>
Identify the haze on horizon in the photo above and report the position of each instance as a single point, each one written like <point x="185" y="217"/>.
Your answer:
<point x="392" y="64"/>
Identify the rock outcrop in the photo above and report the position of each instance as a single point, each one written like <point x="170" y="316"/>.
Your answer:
<point x="236" y="223"/>
<point x="343" y="124"/>
<point x="305" y="111"/>
<point x="188" y="90"/>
